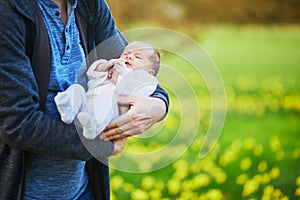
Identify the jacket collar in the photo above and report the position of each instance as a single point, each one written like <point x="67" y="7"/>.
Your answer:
<point x="27" y="8"/>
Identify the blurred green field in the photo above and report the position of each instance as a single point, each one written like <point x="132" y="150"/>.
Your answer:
<point x="257" y="155"/>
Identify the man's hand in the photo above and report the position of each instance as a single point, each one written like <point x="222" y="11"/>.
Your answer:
<point x="119" y="145"/>
<point x="143" y="113"/>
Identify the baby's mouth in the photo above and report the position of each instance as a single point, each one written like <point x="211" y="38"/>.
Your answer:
<point x="127" y="64"/>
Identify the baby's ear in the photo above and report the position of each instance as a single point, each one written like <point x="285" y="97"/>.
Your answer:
<point x="152" y="72"/>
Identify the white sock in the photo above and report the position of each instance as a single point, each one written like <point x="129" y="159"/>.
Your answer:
<point x="69" y="102"/>
<point x="88" y="124"/>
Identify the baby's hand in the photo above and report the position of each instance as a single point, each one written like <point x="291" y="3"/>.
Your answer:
<point x="119" y="62"/>
<point x="102" y="65"/>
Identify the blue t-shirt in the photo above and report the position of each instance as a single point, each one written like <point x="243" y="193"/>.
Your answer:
<point x="52" y="177"/>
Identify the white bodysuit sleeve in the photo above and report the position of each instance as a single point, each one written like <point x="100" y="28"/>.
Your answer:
<point x="96" y="78"/>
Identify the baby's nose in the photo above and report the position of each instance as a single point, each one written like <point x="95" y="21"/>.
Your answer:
<point x="129" y="56"/>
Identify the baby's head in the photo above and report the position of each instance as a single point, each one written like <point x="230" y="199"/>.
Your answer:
<point x="140" y="55"/>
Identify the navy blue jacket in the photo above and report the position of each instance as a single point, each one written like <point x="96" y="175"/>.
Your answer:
<point x="24" y="128"/>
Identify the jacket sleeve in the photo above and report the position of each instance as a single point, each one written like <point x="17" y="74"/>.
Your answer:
<point x="22" y="125"/>
<point x="111" y="43"/>
<point x="163" y="95"/>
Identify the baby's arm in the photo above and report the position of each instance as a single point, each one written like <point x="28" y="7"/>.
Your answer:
<point x="102" y="65"/>
<point x="97" y="72"/>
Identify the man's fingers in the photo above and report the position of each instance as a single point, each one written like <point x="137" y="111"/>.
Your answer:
<point x="115" y="137"/>
<point x="124" y="100"/>
<point x="127" y="130"/>
<point x="116" y="127"/>
<point x="122" y="119"/>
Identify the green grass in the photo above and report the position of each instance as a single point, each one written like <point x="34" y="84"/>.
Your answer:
<point x="260" y="67"/>
<point x="252" y="51"/>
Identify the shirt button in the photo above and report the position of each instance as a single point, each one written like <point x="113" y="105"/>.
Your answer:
<point x="56" y="13"/>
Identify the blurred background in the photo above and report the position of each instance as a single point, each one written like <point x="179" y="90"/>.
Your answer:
<point x="255" y="45"/>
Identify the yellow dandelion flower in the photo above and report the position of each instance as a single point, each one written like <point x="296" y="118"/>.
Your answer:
<point x="241" y="179"/>
<point x="145" y="166"/>
<point x="230" y="154"/>
<point x="159" y="185"/>
<point x="181" y="169"/>
<point x="275" y="172"/>
<point x="139" y="195"/>
<point x="226" y="158"/>
<point x="173" y="186"/>
<point x="180" y="174"/>
<point x="236" y="145"/>
<point x="116" y="182"/>
<point x="297" y="191"/>
<point x="245" y="164"/>
<point x="128" y="187"/>
<point x="195" y="167"/>
<point x="258" y="150"/>
<point x="202" y="197"/>
<point x="298" y="181"/>
<point x="187" y="185"/>
<point x="268" y="191"/>
<point x="220" y="177"/>
<point x="284" y="198"/>
<point x="250" y="187"/>
<point x="249" y="144"/>
<point x="201" y="180"/>
<point x="187" y="195"/>
<point x="266" y="178"/>
<point x="277" y="194"/>
<point x="262" y="166"/>
<point x="275" y="143"/>
<point x="280" y="155"/>
<point x="265" y="197"/>
<point x="147" y="183"/>
<point x="258" y="178"/>
<point x="296" y="153"/>
<point x="209" y="166"/>
<point x="155" y="194"/>
<point x="113" y="197"/>
<point x="197" y="144"/>
<point x="214" y="194"/>
<point x="180" y="164"/>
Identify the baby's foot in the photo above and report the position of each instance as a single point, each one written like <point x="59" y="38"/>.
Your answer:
<point x="88" y="124"/>
<point x="64" y="107"/>
<point x="69" y="102"/>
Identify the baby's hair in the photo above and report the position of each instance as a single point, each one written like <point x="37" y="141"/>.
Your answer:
<point x="156" y="60"/>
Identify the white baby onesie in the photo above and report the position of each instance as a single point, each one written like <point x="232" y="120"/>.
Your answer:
<point x="97" y="107"/>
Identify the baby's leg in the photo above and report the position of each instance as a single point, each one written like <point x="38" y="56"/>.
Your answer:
<point x="100" y="107"/>
<point x="89" y="125"/>
<point x="69" y="102"/>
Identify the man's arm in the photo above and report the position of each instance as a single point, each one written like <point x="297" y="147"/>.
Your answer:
<point x="22" y="125"/>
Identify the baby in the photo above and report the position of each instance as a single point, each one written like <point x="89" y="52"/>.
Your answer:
<point x="133" y="74"/>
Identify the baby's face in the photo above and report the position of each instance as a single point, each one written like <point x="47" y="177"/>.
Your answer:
<point x="137" y="55"/>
